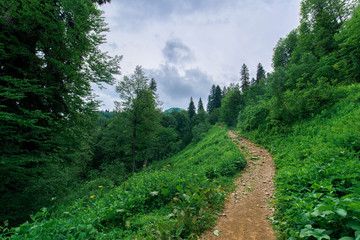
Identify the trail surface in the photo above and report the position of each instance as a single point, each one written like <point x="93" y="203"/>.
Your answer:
<point x="245" y="212"/>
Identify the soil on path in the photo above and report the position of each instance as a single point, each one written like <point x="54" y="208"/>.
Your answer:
<point x="245" y="212"/>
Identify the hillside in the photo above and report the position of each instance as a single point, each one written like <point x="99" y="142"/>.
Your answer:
<point x="318" y="176"/>
<point x="174" y="197"/>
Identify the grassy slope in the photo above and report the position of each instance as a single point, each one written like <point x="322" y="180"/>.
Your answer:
<point x="177" y="197"/>
<point x="318" y="176"/>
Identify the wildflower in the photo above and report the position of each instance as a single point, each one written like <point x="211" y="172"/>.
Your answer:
<point x="100" y="186"/>
<point x="168" y="165"/>
<point x="93" y="196"/>
<point x="144" y="165"/>
<point x="111" y="195"/>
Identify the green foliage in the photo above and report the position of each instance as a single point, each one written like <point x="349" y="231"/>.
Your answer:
<point x="191" y="109"/>
<point x="348" y="39"/>
<point x="283" y="50"/>
<point x="176" y="197"/>
<point x="139" y="110"/>
<point x="317" y="182"/>
<point x="214" y="99"/>
<point x="244" y="78"/>
<point x="200" y="106"/>
<point x="260" y="73"/>
<point x="49" y="55"/>
<point x="230" y="107"/>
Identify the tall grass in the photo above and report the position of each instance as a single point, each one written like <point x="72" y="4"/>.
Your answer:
<point x="175" y="198"/>
<point x="318" y="176"/>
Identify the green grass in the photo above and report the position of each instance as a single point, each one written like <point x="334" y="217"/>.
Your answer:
<point x="175" y="198"/>
<point x="318" y="172"/>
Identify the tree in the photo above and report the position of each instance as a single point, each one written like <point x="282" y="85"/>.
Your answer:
<point x="244" y="78"/>
<point x="224" y="91"/>
<point x="139" y="107"/>
<point x="210" y="104"/>
<point x="260" y="73"/>
<point x="320" y="21"/>
<point x="349" y="52"/>
<point x="153" y="85"/>
<point x="214" y="99"/>
<point x="200" y="106"/>
<point x="49" y="55"/>
<point x="191" y="109"/>
<point x="230" y="107"/>
<point x="217" y="97"/>
<point x="284" y="49"/>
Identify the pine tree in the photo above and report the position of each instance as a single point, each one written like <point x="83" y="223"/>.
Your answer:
<point x="260" y="73"/>
<point x="139" y="106"/>
<point x="214" y="99"/>
<point x="210" y="104"/>
<point x="244" y="78"/>
<point x="191" y="109"/>
<point x="153" y="85"/>
<point x="224" y="91"/>
<point x="200" y="106"/>
<point x="217" y="97"/>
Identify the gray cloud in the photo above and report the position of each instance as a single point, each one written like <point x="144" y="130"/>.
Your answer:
<point x="222" y="35"/>
<point x="176" y="52"/>
<point x="176" y="87"/>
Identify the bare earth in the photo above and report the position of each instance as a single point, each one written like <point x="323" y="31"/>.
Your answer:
<point x="245" y="213"/>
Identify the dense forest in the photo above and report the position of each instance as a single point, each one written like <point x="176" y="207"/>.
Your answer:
<point x="69" y="171"/>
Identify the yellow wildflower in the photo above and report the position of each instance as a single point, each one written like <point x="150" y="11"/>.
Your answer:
<point x="100" y="186"/>
<point x="93" y="196"/>
<point x="111" y="195"/>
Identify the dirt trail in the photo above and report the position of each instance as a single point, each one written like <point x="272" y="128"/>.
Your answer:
<point x="244" y="215"/>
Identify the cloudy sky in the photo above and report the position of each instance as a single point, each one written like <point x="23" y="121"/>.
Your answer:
<point x="189" y="45"/>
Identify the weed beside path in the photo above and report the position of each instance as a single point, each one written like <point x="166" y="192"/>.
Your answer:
<point x="245" y="213"/>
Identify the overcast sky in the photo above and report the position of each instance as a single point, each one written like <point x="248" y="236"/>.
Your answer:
<point x="189" y="45"/>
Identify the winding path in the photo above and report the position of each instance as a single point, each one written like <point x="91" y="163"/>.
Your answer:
<point x="245" y="212"/>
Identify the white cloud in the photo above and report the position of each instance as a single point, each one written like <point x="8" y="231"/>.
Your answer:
<point x="210" y="37"/>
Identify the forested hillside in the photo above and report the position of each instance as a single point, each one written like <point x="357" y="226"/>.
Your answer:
<point x="70" y="171"/>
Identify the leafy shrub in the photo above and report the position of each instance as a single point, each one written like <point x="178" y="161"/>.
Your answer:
<point x="171" y="198"/>
<point x="318" y="176"/>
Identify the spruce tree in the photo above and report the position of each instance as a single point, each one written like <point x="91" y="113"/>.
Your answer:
<point x="200" y="106"/>
<point x="260" y="73"/>
<point x="210" y="104"/>
<point x="191" y="109"/>
<point x="244" y="78"/>
<point x="217" y="97"/>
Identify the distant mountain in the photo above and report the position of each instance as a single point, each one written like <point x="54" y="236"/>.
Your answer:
<point x="170" y="110"/>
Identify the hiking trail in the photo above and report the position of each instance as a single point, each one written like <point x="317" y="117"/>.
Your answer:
<point x="245" y="212"/>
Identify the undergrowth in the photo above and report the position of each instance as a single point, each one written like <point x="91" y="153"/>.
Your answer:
<point x="318" y="172"/>
<point x="177" y="198"/>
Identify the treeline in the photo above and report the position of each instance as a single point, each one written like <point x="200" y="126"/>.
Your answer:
<point x="306" y="112"/>
<point x="309" y="64"/>
<point x="139" y="132"/>
<point x="49" y="56"/>
<point x="54" y="143"/>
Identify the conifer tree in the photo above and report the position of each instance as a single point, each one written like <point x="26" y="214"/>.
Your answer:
<point x="139" y="106"/>
<point x="210" y="104"/>
<point x="260" y="73"/>
<point x="214" y="99"/>
<point x="191" y="109"/>
<point x="200" y="106"/>
<point x="244" y="78"/>
<point x="217" y="97"/>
